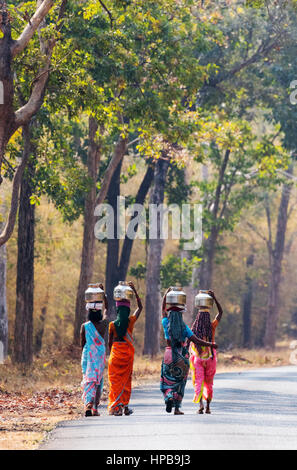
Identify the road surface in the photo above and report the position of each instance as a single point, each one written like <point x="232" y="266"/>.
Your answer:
<point x="251" y="410"/>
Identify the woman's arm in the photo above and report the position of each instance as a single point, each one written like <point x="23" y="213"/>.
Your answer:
<point x="110" y="340"/>
<point x="82" y="336"/>
<point x="219" y="307"/>
<point x="105" y="301"/>
<point x="139" y="303"/>
<point x="200" y="342"/>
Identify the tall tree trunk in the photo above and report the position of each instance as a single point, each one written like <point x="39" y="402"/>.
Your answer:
<point x="117" y="270"/>
<point x="23" y="332"/>
<point x="206" y="268"/>
<point x="247" y="304"/>
<point x="153" y="288"/>
<point x="113" y="245"/>
<point x="192" y="289"/>
<point x="88" y="248"/>
<point x="7" y="115"/>
<point x="3" y="303"/>
<point x="41" y="325"/>
<point x="128" y="242"/>
<point x="276" y="254"/>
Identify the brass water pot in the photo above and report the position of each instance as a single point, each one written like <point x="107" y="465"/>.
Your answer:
<point x="123" y="292"/>
<point x="203" y="299"/>
<point x="94" y="293"/>
<point x="176" y="296"/>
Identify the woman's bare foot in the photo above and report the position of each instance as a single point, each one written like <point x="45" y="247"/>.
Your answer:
<point x="178" y="412"/>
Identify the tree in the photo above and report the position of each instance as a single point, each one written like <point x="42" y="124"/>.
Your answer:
<point x="247" y="303"/>
<point x="87" y="259"/>
<point x="3" y="302"/>
<point x="23" y="332"/>
<point x="153" y="267"/>
<point x="12" y="119"/>
<point x="276" y="249"/>
<point x="140" y="101"/>
<point x="117" y="261"/>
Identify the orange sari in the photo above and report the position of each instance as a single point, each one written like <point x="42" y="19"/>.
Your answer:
<point x="120" y="368"/>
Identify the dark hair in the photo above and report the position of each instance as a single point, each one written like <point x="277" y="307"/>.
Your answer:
<point x="202" y="326"/>
<point x="95" y="315"/>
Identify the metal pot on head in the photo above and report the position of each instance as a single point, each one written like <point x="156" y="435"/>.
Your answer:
<point x="203" y="299"/>
<point x="123" y="292"/>
<point x="176" y="296"/>
<point x="94" y="293"/>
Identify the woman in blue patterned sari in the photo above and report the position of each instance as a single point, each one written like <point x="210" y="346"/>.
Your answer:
<point x="93" y="356"/>
<point x="175" y="365"/>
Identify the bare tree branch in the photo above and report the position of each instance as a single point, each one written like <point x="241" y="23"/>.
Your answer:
<point x="21" y="43"/>
<point x="118" y="154"/>
<point x="108" y="12"/>
<point x="17" y="180"/>
<point x="25" y="113"/>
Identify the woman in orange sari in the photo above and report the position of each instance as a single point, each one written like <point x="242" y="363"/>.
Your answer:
<point x="120" y="364"/>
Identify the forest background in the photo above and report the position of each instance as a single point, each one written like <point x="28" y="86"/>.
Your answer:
<point x="158" y="101"/>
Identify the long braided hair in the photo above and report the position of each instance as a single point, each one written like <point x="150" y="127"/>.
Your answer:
<point x="202" y="328"/>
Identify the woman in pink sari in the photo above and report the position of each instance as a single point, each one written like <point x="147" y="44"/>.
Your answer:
<point x="203" y="360"/>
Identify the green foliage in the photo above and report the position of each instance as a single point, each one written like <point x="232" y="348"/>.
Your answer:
<point x="174" y="270"/>
<point x="177" y="190"/>
<point x="139" y="271"/>
<point x="177" y="270"/>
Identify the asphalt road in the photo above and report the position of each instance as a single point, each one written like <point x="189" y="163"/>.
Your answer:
<point x="251" y="410"/>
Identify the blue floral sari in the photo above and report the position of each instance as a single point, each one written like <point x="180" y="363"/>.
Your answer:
<point x="92" y="364"/>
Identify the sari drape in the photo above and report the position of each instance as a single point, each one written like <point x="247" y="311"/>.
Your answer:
<point x="120" y="369"/>
<point x="203" y="372"/>
<point x="92" y="363"/>
<point x="174" y="375"/>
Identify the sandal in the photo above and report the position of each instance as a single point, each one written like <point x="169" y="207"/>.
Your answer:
<point x="128" y="411"/>
<point x="169" y="405"/>
<point x="88" y="410"/>
<point x="118" y="411"/>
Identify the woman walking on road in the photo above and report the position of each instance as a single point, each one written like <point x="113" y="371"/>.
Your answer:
<point x="175" y="365"/>
<point x="93" y="355"/>
<point x="120" y="364"/>
<point x="203" y="360"/>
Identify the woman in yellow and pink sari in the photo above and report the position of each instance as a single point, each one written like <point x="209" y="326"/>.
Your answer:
<point x="203" y="360"/>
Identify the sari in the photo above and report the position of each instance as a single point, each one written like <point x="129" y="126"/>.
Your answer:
<point x="203" y="364"/>
<point x="175" y="365"/>
<point x="120" y="368"/>
<point x="174" y="375"/>
<point x="92" y="364"/>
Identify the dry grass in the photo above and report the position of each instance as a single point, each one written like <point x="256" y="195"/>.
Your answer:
<point x="34" y="400"/>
